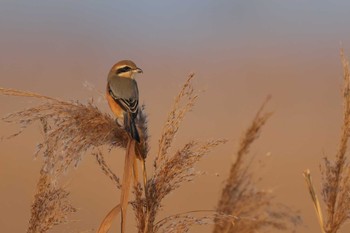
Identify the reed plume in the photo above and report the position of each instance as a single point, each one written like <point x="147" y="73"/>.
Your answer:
<point x="51" y="206"/>
<point x="171" y="170"/>
<point x="336" y="174"/>
<point x="254" y="208"/>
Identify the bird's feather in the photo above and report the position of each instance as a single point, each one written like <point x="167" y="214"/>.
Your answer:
<point x="125" y="92"/>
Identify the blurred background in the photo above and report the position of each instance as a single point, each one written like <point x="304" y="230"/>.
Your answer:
<point x="241" y="51"/>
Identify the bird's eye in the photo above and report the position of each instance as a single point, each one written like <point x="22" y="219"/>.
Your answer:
<point x="123" y="69"/>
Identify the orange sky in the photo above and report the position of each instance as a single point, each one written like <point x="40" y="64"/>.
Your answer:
<point x="240" y="51"/>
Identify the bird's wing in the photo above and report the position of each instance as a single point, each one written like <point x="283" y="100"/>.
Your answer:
<point x="128" y="105"/>
<point x="125" y="93"/>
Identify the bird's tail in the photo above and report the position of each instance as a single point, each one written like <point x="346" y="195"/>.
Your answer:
<point x="130" y="127"/>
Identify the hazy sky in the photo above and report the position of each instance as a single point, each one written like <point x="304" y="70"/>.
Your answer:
<point x="241" y="51"/>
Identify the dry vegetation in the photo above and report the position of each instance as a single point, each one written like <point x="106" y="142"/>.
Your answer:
<point x="72" y="129"/>
<point x="335" y="174"/>
<point x="240" y="197"/>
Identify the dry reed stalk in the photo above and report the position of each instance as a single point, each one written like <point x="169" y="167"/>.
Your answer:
<point x="336" y="175"/>
<point x="314" y="198"/>
<point x="15" y="92"/>
<point x="240" y="197"/>
<point x="183" y="103"/>
<point x="130" y="160"/>
<point x="107" y="221"/>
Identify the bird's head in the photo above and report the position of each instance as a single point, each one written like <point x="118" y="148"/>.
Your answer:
<point x="125" y="69"/>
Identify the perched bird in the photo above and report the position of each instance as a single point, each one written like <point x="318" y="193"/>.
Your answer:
<point x="123" y="95"/>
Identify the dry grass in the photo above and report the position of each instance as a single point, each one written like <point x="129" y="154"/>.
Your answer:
<point x="183" y="103"/>
<point x="184" y="221"/>
<point x="106" y="170"/>
<point x="336" y="174"/>
<point x="51" y="206"/>
<point x="171" y="170"/>
<point x="72" y="129"/>
<point x="316" y="202"/>
<point x="171" y="173"/>
<point x="255" y="208"/>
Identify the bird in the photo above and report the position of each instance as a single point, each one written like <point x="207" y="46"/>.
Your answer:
<point x="123" y="95"/>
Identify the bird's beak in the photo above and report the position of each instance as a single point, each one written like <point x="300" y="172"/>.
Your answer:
<point x="138" y="70"/>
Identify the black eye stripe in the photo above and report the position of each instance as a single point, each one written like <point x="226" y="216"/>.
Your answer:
<point x="123" y="69"/>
